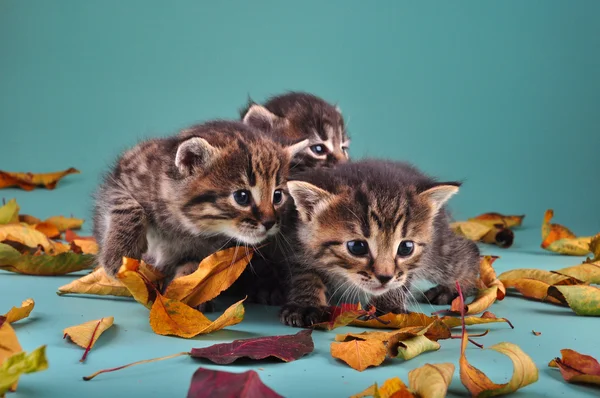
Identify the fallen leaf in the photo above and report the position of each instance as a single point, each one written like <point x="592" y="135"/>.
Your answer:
<point x="342" y="316"/>
<point x="393" y="387"/>
<point x="208" y="383"/>
<point x="18" y="313"/>
<point x="86" y="246"/>
<point x="493" y="289"/>
<point x="47" y="229"/>
<point x="29" y="181"/>
<point x="30" y="237"/>
<point x="86" y="334"/>
<point x="560" y="239"/>
<point x="583" y="299"/>
<point x="360" y="354"/>
<point x="431" y="380"/>
<point x="595" y="249"/>
<point x="9" y="346"/>
<point x="171" y="317"/>
<point x="44" y="264"/>
<point x="408" y="348"/>
<point x="577" y="368"/>
<point x="395" y="321"/>
<point x="536" y="333"/>
<point x="587" y="272"/>
<point x="9" y="213"/>
<point x="27" y="219"/>
<point x="18" y="364"/>
<point x="140" y="286"/>
<point x="437" y="330"/>
<point x="534" y="283"/>
<point x="486" y="317"/>
<point x="491" y="219"/>
<point x="496" y="234"/>
<point x="65" y="223"/>
<point x="215" y="273"/>
<point x="70" y="236"/>
<point x="95" y="283"/>
<point x="286" y="348"/>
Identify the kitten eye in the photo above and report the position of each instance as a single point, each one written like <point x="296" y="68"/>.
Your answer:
<point x="277" y="196"/>
<point x="358" y="247"/>
<point x="319" y="149"/>
<point x="242" y="197"/>
<point x="406" y="248"/>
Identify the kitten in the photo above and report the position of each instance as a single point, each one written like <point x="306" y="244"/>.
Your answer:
<point x="297" y="116"/>
<point x="371" y="228"/>
<point x="174" y="201"/>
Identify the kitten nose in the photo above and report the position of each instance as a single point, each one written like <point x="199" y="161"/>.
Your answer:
<point x="268" y="224"/>
<point x="383" y="278"/>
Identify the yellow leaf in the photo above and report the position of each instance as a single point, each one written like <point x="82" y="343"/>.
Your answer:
<point x="87" y="246"/>
<point x="18" y="313"/>
<point x="96" y="283"/>
<point x="214" y="274"/>
<point x="431" y="380"/>
<point x="64" y="223"/>
<point x="587" y="272"/>
<point x="437" y="330"/>
<point x="396" y="321"/>
<point x="534" y="283"/>
<point x="360" y="354"/>
<point x="42" y="264"/>
<point x="493" y="289"/>
<point x="29" y="181"/>
<point x="47" y="229"/>
<point x="491" y="219"/>
<point x="86" y="334"/>
<point x="16" y="365"/>
<point x="486" y="317"/>
<point x="560" y="239"/>
<point x="139" y="279"/>
<point x="9" y="213"/>
<point x="583" y="299"/>
<point x="9" y="345"/>
<point x="407" y="347"/>
<point x="479" y="385"/>
<point x="470" y="229"/>
<point x="29" y="236"/>
<point x="171" y="317"/>
<point x="595" y="248"/>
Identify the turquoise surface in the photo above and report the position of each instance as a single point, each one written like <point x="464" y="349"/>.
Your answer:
<point x="503" y="95"/>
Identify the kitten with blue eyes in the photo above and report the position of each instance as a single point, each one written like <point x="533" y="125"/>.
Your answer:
<point x="174" y="201"/>
<point x="371" y="228"/>
<point x="296" y="116"/>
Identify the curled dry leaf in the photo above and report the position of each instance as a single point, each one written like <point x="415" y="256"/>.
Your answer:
<point x="86" y="246"/>
<point x="27" y="219"/>
<point x="406" y="347"/>
<point x="30" y="237"/>
<point x="208" y="383"/>
<point x="286" y="348"/>
<point x="496" y="234"/>
<point x="431" y="380"/>
<point x="493" y="289"/>
<point x="95" y="283"/>
<point x="534" y="283"/>
<point x="577" y="368"/>
<point x="560" y="239"/>
<point x="9" y="213"/>
<point x="491" y="219"/>
<point x="29" y="181"/>
<point x="583" y="299"/>
<point x="18" y="364"/>
<point x="536" y="333"/>
<point x="437" y="330"/>
<point x="64" y="223"/>
<point x="86" y="334"/>
<point x="42" y="264"/>
<point x="138" y="278"/>
<point x="18" y="313"/>
<point x="215" y="273"/>
<point x="595" y="249"/>
<point x="588" y="272"/>
<point x="360" y="354"/>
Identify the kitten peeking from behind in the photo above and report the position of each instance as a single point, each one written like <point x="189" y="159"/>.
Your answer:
<point x="367" y="230"/>
<point x="173" y="201"/>
<point x="296" y="116"/>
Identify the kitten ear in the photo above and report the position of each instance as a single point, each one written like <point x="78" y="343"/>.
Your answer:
<point x="194" y="153"/>
<point x="439" y="194"/>
<point x="309" y="199"/>
<point x="260" y="117"/>
<point x="293" y="149"/>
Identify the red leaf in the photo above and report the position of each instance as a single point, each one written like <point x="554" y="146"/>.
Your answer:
<point x="215" y="383"/>
<point x="287" y="348"/>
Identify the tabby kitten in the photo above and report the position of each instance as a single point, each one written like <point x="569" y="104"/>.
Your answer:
<point x="371" y="228"/>
<point x="174" y="201"/>
<point x="297" y="116"/>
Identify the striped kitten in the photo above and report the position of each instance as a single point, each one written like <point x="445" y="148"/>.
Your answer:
<point x="174" y="201"/>
<point x="369" y="229"/>
<point x="297" y="116"/>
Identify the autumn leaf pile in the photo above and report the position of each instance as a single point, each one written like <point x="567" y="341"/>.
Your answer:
<point x="32" y="246"/>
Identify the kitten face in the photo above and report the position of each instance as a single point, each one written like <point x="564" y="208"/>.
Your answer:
<point x="297" y="116"/>
<point x="233" y="185"/>
<point x="371" y="234"/>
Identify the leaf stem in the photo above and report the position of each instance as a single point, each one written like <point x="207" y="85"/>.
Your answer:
<point x="90" y="377"/>
<point x="89" y="347"/>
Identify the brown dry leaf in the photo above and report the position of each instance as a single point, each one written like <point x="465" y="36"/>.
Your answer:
<point x="534" y="283"/>
<point x="393" y="387"/>
<point x="96" y="283"/>
<point x="139" y="285"/>
<point x="492" y="290"/>
<point x="30" y="237"/>
<point x="577" y="368"/>
<point x="9" y="344"/>
<point x="588" y="272"/>
<point x="18" y="313"/>
<point x="496" y="234"/>
<point x="29" y="181"/>
<point x="560" y="239"/>
<point x="360" y="354"/>
<point x="395" y="321"/>
<point x="27" y="219"/>
<point x="86" y="334"/>
<point x="491" y="219"/>
<point x="431" y="380"/>
<point x="48" y="229"/>
<point x="9" y="213"/>
<point x="171" y="317"/>
<point x="437" y="330"/>
<point x="536" y="333"/>
<point x="65" y="223"/>
<point x="215" y="273"/>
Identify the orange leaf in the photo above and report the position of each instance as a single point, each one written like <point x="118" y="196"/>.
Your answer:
<point x="492" y="290"/>
<point x="360" y="354"/>
<point x="491" y="219"/>
<point x="553" y="232"/>
<point x="9" y="344"/>
<point x="214" y="274"/>
<point x="70" y="236"/>
<point x="577" y="368"/>
<point x="534" y="283"/>
<point x="65" y="223"/>
<point x="29" y="181"/>
<point x="559" y="239"/>
<point x="395" y="321"/>
<point x="86" y="246"/>
<point x="132" y="276"/>
<point x="393" y="387"/>
<point x="86" y="334"/>
<point x="97" y="283"/>
<point x="171" y="317"/>
<point x="30" y="237"/>
<point x="18" y="313"/>
<point x="27" y="219"/>
<point x="48" y="229"/>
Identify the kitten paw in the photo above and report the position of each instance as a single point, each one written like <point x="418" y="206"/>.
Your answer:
<point x="440" y="295"/>
<point x="301" y="317"/>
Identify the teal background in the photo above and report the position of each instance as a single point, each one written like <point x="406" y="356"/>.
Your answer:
<point x="503" y="95"/>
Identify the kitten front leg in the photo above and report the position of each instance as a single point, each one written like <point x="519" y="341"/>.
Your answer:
<point x="306" y="302"/>
<point x="125" y="235"/>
